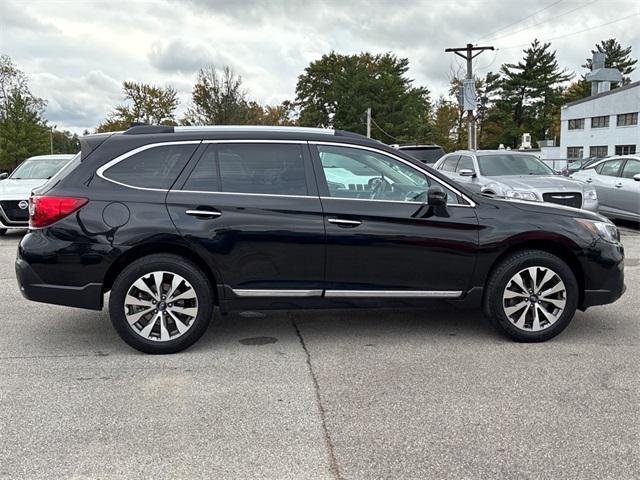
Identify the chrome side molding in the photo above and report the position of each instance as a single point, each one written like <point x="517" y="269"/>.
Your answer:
<point x="268" y="293"/>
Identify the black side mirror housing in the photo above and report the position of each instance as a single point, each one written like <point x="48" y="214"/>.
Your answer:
<point x="436" y="196"/>
<point x="3" y="175"/>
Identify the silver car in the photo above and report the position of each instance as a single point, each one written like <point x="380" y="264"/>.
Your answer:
<point x="617" y="181"/>
<point x="516" y="175"/>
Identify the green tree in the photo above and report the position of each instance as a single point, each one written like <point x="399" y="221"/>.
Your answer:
<point x="530" y="94"/>
<point x="65" y="141"/>
<point x="336" y="91"/>
<point x="23" y="133"/>
<point x="445" y="130"/>
<point x="143" y="103"/>
<point x="617" y="57"/>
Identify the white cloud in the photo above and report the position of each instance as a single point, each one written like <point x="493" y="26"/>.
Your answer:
<point x="78" y="57"/>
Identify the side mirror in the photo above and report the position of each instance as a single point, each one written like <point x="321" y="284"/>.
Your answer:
<point x="436" y="197"/>
<point x="466" y="173"/>
<point x="3" y="175"/>
<point x="636" y="177"/>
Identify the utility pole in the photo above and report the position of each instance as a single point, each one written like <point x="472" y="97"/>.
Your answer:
<point x="51" y="139"/>
<point x="469" y="55"/>
<point x="369" y="122"/>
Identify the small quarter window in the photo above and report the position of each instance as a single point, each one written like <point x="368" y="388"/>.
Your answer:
<point x="156" y="167"/>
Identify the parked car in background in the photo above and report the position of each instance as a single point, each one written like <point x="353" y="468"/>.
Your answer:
<point x="617" y="181"/>
<point x="175" y="220"/>
<point x="517" y="175"/>
<point x="15" y="188"/>
<point x="426" y="153"/>
<point x="575" y="165"/>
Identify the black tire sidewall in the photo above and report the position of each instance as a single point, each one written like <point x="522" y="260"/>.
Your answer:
<point x="503" y="275"/>
<point x="169" y="263"/>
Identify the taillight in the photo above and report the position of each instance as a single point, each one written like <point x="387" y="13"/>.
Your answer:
<point x="45" y="210"/>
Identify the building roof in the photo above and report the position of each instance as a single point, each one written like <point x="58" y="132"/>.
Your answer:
<point x="604" y="94"/>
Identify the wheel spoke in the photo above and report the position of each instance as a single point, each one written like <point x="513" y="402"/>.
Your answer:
<point x="135" y="317"/>
<point x="520" y="282"/>
<point x="558" y="302"/>
<point x="146" y="331"/>
<point x="164" y="333"/>
<point x="180" y="325"/>
<point x="548" y="275"/>
<point x="533" y="273"/>
<point x="176" y="280"/>
<point x="187" y="295"/>
<point x="536" y="319"/>
<point x="515" y="308"/>
<point x="191" y="311"/>
<point x="520" y="322"/>
<point x="511" y="294"/>
<point x="131" y="300"/>
<point x="559" y="287"/>
<point x="141" y="285"/>
<point x="157" y="279"/>
<point x="551" y="318"/>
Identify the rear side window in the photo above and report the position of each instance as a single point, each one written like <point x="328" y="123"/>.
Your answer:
<point x="155" y="167"/>
<point x="276" y="169"/>
<point x="631" y="168"/>
<point x="611" y="167"/>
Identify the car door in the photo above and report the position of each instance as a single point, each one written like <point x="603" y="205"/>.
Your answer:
<point x="465" y="162"/>
<point x="384" y="240"/>
<point x="627" y="197"/>
<point x="252" y="209"/>
<point x="604" y="177"/>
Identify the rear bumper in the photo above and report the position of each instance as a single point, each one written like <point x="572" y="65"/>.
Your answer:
<point x="32" y="287"/>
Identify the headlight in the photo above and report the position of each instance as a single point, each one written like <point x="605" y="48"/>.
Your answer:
<point x="605" y="230"/>
<point x="590" y="194"/>
<point x="521" y="195"/>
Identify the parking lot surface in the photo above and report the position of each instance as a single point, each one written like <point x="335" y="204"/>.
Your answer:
<point x="334" y="394"/>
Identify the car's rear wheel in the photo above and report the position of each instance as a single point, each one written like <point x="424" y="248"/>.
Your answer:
<point x="531" y="296"/>
<point x="161" y="304"/>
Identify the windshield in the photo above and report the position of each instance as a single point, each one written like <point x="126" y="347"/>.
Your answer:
<point x="32" y="168"/>
<point x="505" y="164"/>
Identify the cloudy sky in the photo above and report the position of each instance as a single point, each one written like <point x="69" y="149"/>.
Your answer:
<point x="77" y="53"/>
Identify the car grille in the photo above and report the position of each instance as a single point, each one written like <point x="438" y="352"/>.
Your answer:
<point x="569" y="199"/>
<point x="13" y="213"/>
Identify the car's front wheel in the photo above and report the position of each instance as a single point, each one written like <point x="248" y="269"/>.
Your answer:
<point x="161" y="303"/>
<point x="531" y="296"/>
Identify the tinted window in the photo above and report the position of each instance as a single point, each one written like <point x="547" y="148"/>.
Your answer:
<point x="465" y="163"/>
<point x="610" y="168"/>
<point x="356" y="173"/>
<point x="505" y="164"/>
<point x="155" y="167"/>
<point x="450" y="163"/>
<point x="425" y="154"/>
<point x="204" y="178"/>
<point x="631" y="168"/>
<point x="262" y="168"/>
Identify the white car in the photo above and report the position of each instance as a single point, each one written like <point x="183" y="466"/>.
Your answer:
<point x="15" y="189"/>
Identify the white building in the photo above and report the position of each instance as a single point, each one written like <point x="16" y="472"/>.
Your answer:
<point x="603" y="124"/>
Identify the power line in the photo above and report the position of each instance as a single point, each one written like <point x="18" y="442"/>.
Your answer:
<point x="383" y="131"/>
<point x="493" y="39"/>
<point x="575" y="33"/>
<point x="520" y="21"/>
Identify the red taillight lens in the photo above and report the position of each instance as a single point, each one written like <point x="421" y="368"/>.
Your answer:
<point x="45" y="210"/>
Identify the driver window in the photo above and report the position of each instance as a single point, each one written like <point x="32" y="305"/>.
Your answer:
<point x="362" y="174"/>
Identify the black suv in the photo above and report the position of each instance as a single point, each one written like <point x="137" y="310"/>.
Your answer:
<point x="173" y="221"/>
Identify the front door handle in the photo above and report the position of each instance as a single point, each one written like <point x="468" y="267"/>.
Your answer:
<point x="589" y="180"/>
<point x="618" y="185"/>
<point x="203" y="213"/>
<point x="344" y="223"/>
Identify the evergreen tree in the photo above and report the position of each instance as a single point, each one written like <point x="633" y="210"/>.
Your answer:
<point x="23" y="133"/>
<point x="336" y="91"/>
<point x="616" y="57"/>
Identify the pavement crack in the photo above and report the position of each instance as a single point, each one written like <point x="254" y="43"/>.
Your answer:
<point x="333" y="463"/>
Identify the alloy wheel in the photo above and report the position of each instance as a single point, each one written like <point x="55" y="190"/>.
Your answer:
<point x="534" y="298"/>
<point x="161" y="306"/>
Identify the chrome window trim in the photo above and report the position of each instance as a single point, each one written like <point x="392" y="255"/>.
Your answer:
<point x="393" y="293"/>
<point x="100" y="171"/>
<point x="299" y="142"/>
<point x="254" y="293"/>
<point x="314" y="197"/>
<point x="406" y="162"/>
<point x="253" y="128"/>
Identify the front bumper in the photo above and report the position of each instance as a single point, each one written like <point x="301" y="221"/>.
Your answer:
<point x="33" y="288"/>
<point x="6" y="222"/>
<point x="604" y="274"/>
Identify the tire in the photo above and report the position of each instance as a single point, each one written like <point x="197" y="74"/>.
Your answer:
<point x="3" y="232"/>
<point x="554" y="311"/>
<point x="148" y="321"/>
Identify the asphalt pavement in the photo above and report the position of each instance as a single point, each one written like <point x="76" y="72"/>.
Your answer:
<point x="335" y="394"/>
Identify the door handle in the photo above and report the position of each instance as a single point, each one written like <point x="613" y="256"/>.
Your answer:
<point x="618" y="185"/>
<point x="589" y="180"/>
<point x="203" y="213"/>
<point x="344" y="223"/>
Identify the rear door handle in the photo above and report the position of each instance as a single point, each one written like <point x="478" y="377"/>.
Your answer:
<point x="589" y="180"/>
<point x="344" y="223"/>
<point x="202" y="213"/>
<point x="618" y="185"/>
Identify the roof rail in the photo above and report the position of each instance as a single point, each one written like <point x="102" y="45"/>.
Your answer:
<point x="142" y="129"/>
<point x="253" y="128"/>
